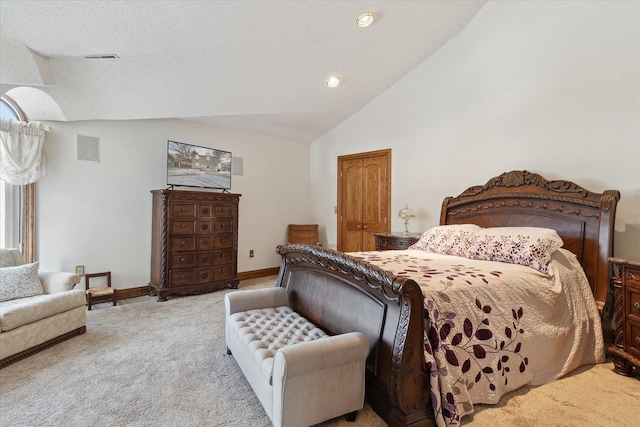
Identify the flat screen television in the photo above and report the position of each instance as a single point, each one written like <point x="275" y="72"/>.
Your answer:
<point x="193" y="166"/>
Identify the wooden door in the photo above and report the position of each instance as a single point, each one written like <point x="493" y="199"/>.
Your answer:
<point x="364" y="193"/>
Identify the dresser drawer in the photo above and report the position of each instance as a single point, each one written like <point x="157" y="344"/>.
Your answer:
<point x="222" y="257"/>
<point x="633" y="339"/>
<point x="183" y="210"/>
<point x="222" y="226"/>
<point x="223" y="272"/>
<point x="180" y="244"/>
<point x="222" y="241"/>
<point x="632" y="299"/>
<point x="223" y="211"/>
<point x="183" y="227"/>
<point x="182" y="277"/>
<point x="204" y="227"/>
<point x="183" y="260"/>
<point x="204" y="243"/>
<point x="204" y="210"/>
<point x="191" y="276"/>
<point x="204" y="259"/>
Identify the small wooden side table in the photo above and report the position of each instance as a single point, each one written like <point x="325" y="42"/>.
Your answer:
<point x="395" y="241"/>
<point x="625" y="279"/>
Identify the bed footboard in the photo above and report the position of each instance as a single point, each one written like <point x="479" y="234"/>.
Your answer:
<point x="341" y="294"/>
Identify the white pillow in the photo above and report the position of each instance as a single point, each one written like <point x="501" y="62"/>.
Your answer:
<point x="20" y="282"/>
<point x="530" y="246"/>
<point x="446" y="239"/>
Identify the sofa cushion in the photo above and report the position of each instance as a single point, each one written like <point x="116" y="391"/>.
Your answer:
<point x="266" y="330"/>
<point x="20" y="282"/>
<point x="16" y="313"/>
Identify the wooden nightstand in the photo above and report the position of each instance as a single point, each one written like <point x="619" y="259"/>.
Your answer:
<point x="625" y="279"/>
<point x="394" y="241"/>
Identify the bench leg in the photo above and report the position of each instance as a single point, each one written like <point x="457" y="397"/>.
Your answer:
<point x="228" y="352"/>
<point x="351" y="416"/>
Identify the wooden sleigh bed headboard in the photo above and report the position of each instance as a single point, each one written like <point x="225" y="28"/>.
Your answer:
<point x="342" y="293"/>
<point x="583" y="219"/>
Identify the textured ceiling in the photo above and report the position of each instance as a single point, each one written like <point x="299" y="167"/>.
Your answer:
<point x="258" y="66"/>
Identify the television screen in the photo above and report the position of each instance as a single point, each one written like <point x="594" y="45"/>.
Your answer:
<point x="193" y="166"/>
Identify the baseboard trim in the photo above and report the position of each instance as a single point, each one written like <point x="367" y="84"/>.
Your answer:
<point x="142" y="291"/>
<point x="254" y="274"/>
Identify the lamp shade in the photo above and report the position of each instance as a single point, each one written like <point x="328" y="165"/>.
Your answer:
<point x="406" y="214"/>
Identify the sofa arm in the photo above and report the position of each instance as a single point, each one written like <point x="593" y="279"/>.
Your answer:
<point x="53" y="282"/>
<point x="324" y="353"/>
<point x="255" y="298"/>
<point x="326" y="377"/>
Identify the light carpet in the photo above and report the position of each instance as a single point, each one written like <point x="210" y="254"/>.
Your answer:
<point x="149" y="363"/>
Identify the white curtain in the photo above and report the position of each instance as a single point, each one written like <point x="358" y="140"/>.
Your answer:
<point x="22" y="159"/>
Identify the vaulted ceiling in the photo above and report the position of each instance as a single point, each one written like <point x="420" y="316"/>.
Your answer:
<point x="258" y="66"/>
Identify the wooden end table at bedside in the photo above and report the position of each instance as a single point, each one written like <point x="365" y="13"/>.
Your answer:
<point x="625" y="279"/>
<point x="395" y="241"/>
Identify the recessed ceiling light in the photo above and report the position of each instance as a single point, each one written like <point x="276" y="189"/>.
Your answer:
<point x="333" y="81"/>
<point x="365" y="19"/>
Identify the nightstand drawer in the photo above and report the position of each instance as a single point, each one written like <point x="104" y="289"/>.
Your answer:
<point x="395" y="241"/>
<point x="633" y="339"/>
<point x="633" y="277"/>
<point x="632" y="299"/>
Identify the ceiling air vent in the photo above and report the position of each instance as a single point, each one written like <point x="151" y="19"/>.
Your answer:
<point x="103" y="56"/>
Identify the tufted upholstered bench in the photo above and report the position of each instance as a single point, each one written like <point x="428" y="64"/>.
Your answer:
<point x="301" y="375"/>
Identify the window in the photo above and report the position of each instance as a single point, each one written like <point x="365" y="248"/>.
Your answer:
<point x="17" y="215"/>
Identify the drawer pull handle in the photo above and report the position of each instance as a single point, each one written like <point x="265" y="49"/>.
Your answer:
<point x="205" y="226"/>
<point x="182" y="276"/>
<point x="204" y="259"/>
<point x="221" y="255"/>
<point x="221" y="240"/>
<point x="183" y="225"/>
<point x="184" y="209"/>
<point x="183" y="259"/>
<point x="205" y="243"/>
<point x="631" y="276"/>
<point x="637" y="305"/>
<point x="365" y="227"/>
<point x="182" y="243"/>
<point x="205" y="211"/>
<point x="638" y="340"/>
<point x="204" y="275"/>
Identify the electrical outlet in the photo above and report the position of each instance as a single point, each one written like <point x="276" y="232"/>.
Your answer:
<point x="250" y="253"/>
<point x="80" y="270"/>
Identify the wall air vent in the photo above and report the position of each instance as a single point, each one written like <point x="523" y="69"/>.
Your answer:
<point x="103" y="56"/>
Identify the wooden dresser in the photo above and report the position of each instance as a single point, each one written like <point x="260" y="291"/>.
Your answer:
<point x="194" y="242"/>
<point x="625" y="278"/>
<point x="394" y="241"/>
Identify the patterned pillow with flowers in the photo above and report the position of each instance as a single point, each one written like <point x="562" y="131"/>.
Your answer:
<point x="529" y="246"/>
<point x="447" y="239"/>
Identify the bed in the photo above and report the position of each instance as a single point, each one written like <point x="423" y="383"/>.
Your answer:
<point x="448" y="329"/>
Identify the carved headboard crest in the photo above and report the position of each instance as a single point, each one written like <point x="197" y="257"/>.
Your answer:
<point x="520" y="178"/>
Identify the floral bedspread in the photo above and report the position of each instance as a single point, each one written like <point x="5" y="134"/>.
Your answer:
<point x="493" y="327"/>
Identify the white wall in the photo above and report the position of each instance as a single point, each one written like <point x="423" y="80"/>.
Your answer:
<point x="549" y="87"/>
<point x="98" y="214"/>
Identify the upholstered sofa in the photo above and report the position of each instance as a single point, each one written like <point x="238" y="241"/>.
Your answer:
<point x="301" y="375"/>
<point x="37" y="309"/>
